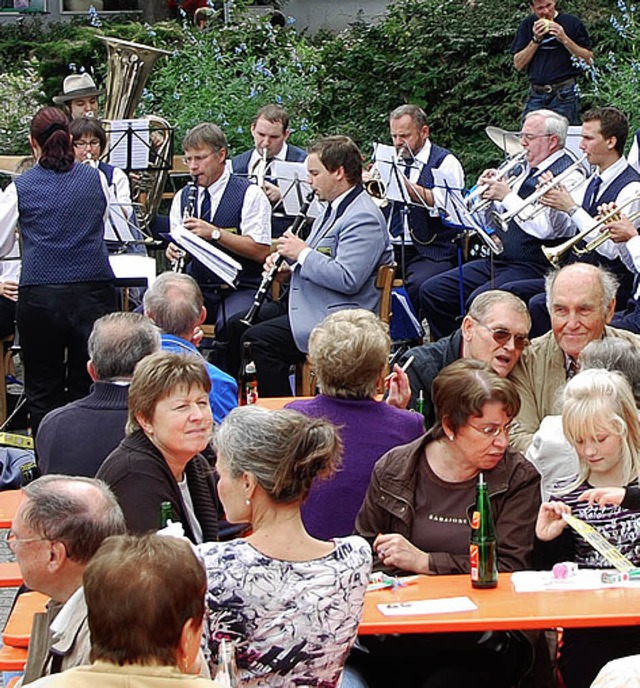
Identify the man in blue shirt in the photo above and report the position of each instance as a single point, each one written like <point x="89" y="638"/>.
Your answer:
<point x="174" y="303"/>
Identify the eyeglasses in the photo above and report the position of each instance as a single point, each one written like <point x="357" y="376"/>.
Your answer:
<point x="188" y="159"/>
<point x="502" y="337"/>
<point x="530" y="137"/>
<point x="495" y="430"/>
<point x="94" y="143"/>
<point x="12" y="540"/>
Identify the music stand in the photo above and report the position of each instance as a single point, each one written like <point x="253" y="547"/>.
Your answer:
<point x="131" y="148"/>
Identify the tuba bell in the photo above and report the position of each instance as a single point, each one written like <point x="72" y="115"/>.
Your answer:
<point x="128" y="68"/>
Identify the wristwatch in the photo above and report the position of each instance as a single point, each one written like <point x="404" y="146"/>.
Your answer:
<point x="215" y="234"/>
<point x="572" y="210"/>
<point x="537" y="40"/>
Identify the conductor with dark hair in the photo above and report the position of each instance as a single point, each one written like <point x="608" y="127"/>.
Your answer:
<point x="66" y="281"/>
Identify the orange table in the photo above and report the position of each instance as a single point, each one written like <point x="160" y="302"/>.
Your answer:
<point x="10" y="576"/>
<point x="9" y="503"/>
<point x="12" y="658"/>
<point x="275" y="403"/>
<point x="501" y="608"/>
<point x="18" y="629"/>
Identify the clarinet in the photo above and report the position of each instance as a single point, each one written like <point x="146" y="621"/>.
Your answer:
<point x="189" y="211"/>
<point x="267" y="280"/>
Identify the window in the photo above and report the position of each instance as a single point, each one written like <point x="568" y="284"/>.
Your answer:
<point x="100" y="5"/>
<point x="22" y="5"/>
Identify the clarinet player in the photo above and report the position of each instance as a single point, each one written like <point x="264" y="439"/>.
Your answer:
<point x="229" y="212"/>
<point x="334" y="269"/>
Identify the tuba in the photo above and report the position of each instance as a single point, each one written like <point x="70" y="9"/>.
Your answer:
<point x="128" y="67"/>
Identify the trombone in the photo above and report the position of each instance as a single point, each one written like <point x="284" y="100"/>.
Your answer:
<point x="531" y="206"/>
<point x="508" y="171"/>
<point x="554" y="253"/>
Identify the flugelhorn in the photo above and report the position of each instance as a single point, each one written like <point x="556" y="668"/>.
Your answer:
<point x="505" y="172"/>
<point x="554" y="253"/>
<point x="531" y="207"/>
<point x="376" y="188"/>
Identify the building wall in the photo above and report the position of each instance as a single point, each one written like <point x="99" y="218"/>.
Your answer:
<point x="333" y="15"/>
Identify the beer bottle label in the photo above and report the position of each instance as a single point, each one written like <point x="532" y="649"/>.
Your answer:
<point x="475" y="520"/>
<point x="474" y="557"/>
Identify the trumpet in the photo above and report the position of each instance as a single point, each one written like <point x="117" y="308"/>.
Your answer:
<point x="376" y="188"/>
<point x="554" y="253"/>
<point x="531" y="206"/>
<point x="508" y="171"/>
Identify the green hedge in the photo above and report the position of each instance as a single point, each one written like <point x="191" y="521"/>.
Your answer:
<point x="449" y="56"/>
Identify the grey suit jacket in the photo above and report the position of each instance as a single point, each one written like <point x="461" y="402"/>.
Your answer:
<point x="341" y="270"/>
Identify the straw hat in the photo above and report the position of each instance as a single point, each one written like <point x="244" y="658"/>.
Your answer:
<point x="77" y="86"/>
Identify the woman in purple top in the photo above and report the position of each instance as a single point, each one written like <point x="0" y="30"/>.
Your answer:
<point x="349" y="351"/>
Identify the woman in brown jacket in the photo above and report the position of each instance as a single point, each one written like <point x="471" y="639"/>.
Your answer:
<point x="417" y="514"/>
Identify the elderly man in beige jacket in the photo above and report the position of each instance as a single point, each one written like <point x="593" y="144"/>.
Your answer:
<point x="581" y="301"/>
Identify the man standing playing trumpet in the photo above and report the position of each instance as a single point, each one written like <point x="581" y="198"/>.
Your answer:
<point x="547" y="45"/>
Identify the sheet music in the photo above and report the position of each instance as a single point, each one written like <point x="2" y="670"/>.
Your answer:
<point x="451" y="202"/>
<point x="225" y="267"/>
<point x="130" y="265"/>
<point x="291" y="179"/>
<point x="129" y="136"/>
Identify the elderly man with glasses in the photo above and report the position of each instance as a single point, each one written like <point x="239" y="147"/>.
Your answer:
<point x="495" y="331"/>
<point x="581" y="299"/>
<point x="228" y="212"/>
<point x="57" y="529"/>
<point x="543" y="139"/>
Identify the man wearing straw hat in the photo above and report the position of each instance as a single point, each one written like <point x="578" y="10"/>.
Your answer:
<point x="79" y="96"/>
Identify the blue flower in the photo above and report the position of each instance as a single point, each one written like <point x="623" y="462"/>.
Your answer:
<point x="239" y="130"/>
<point x="278" y="99"/>
<point x="176" y="95"/>
<point x="94" y="19"/>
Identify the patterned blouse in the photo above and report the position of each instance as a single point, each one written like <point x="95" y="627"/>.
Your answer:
<point x="292" y="622"/>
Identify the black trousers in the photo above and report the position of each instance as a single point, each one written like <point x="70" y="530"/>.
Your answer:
<point x="54" y="323"/>
<point x="273" y="349"/>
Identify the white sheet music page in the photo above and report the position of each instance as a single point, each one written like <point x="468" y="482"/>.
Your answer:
<point x="129" y="136"/>
<point x="210" y="256"/>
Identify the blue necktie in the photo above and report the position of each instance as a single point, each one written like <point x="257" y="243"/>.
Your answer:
<point x="205" y="206"/>
<point x="591" y="195"/>
<point x="529" y="184"/>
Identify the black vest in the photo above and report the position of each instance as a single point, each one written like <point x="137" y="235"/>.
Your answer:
<point x="227" y="215"/>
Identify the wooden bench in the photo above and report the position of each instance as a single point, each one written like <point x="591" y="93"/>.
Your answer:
<point x="17" y="632"/>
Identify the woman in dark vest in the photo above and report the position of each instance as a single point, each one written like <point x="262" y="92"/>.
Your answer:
<point x="66" y="281"/>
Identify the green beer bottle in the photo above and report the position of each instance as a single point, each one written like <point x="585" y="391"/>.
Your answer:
<point x="483" y="547"/>
<point x="166" y="513"/>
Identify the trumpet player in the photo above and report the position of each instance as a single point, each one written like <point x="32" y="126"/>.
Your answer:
<point x="232" y="214"/>
<point x="270" y="131"/>
<point x="423" y="245"/>
<point x="603" y="137"/>
<point x="624" y="234"/>
<point x="543" y="138"/>
<point x="548" y="45"/>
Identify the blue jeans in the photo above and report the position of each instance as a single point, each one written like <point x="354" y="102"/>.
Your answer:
<point x="565" y="101"/>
